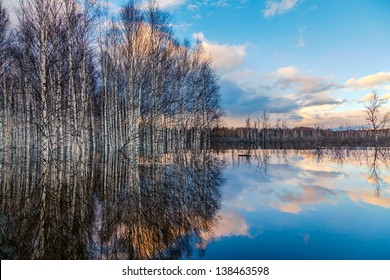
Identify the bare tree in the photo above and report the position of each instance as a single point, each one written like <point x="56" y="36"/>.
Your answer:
<point x="374" y="115"/>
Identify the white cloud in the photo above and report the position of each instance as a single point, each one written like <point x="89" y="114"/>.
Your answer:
<point x="182" y="26"/>
<point x="164" y="4"/>
<point x="221" y="3"/>
<point x="369" y="81"/>
<point x="278" y="7"/>
<point x="197" y="16"/>
<point x="224" y="57"/>
<point x="196" y="5"/>
<point x="193" y="7"/>
<point x="301" y="39"/>
<point x="198" y="36"/>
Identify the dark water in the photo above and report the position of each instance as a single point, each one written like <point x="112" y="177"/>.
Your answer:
<point x="270" y="204"/>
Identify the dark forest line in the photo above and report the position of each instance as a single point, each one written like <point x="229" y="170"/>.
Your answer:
<point x="298" y="137"/>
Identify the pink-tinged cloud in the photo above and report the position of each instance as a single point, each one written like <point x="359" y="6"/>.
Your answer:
<point x="290" y="208"/>
<point x="322" y="116"/>
<point x="370" y="197"/>
<point x="386" y="96"/>
<point x="370" y="81"/>
<point x="291" y="79"/>
<point x="288" y="71"/>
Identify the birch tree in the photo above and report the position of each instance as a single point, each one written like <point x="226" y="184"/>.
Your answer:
<point x="4" y="44"/>
<point x="136" y="89"/>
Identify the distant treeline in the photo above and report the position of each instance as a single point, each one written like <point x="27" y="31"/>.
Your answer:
<point x="299" y="137"/>
<point x="74" y="81"/>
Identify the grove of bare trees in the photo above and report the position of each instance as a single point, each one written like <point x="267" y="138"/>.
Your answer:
<point x="76" y="82"/>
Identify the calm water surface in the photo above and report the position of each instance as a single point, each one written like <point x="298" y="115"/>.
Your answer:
<point x="312" y="204"/>
<point x="232" y="204"/>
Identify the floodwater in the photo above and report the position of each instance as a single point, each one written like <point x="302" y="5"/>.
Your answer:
<point x="308" y="204"/>
<point x="231" y="204"/>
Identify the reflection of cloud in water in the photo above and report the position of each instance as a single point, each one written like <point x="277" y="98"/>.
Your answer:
<point x="230" y="223"/>
<point x="310" y="164"/>
<point x="289" y="208"/>
<point x="369" y="197"/>
<point x="308" y="180"/>
<point x="291" y="202"/>
<point x="371" y="179"/>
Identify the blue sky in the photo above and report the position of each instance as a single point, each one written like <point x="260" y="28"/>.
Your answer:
<point x="306" y="62"/>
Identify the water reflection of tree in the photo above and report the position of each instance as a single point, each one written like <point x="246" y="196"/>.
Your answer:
<point x="379" y="159"/>
<point x="263" y="160"/>
<point x="259" y="157"/>
<point x="111" y="209"/>
<point x="375" y="158"/>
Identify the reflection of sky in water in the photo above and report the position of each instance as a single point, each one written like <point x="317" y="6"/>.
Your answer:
<point x="302" y="207"/>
